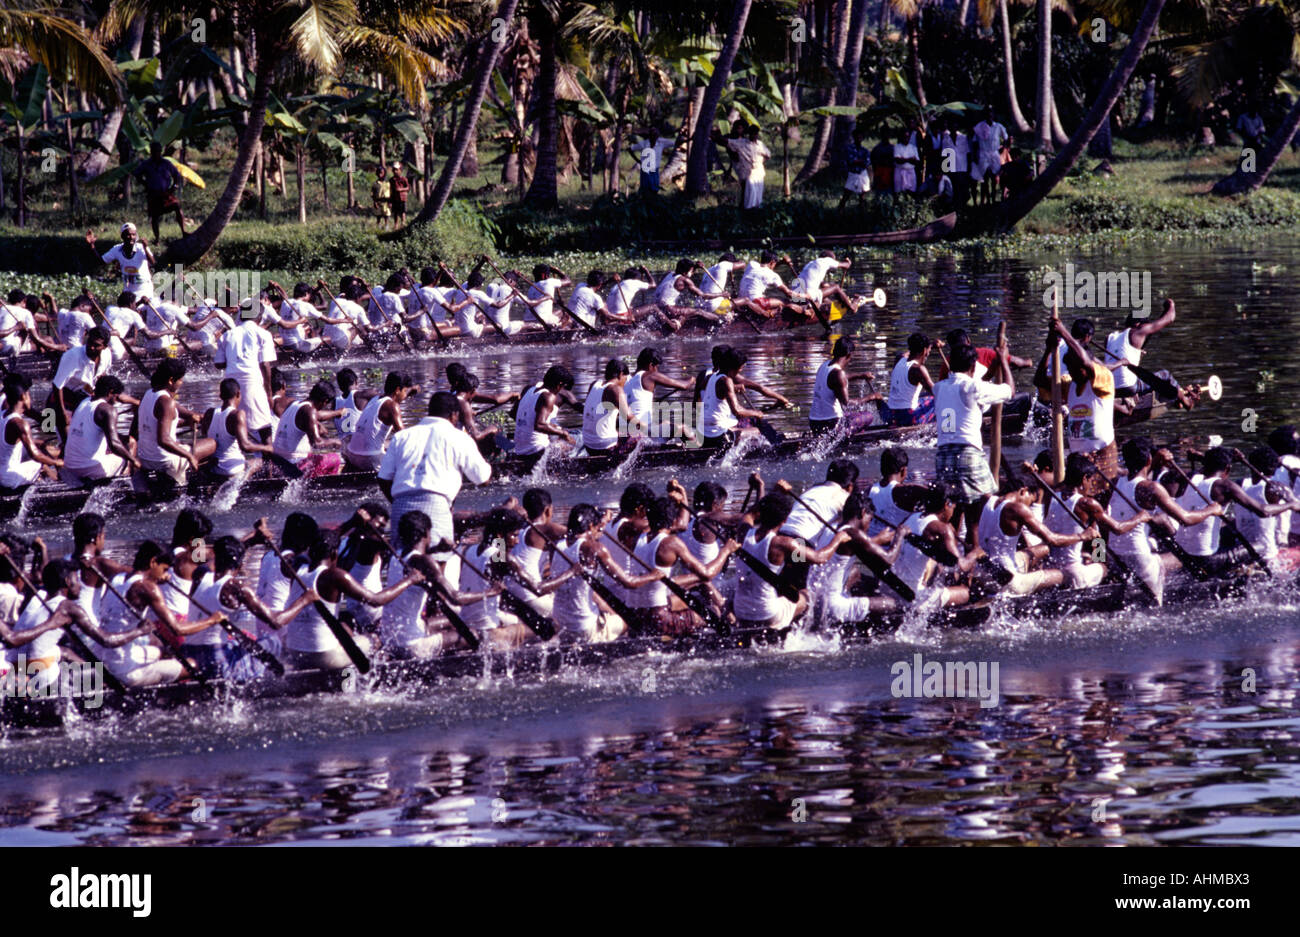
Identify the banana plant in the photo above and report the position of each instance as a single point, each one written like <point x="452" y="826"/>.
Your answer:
<point x="23" y="101"/>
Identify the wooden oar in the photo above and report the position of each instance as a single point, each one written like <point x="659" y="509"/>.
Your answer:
<point x="424" y="307"/>
<point x="1111" y="556"/>
<point x="167" y="639"/>
<point x="995" y="449"/>
<point x="365" y="332"/>
<point x="1163" y="387"/>
<point x="1058" y="417"/>
<point x="692" y="601"/>
<point x="79" y="645"/>
<point x="1227" y="523"/>
<point x="271" y="662"/>
<point x="1192" y="563"/>
<point x="130" y="352"/>
<point x="546" y="325"/>
<point x="770" y="433"/>
<point x="486" y="315"/>
<point x="370" y="293"/>
<point x="562" y="304"/>
<point x="539" y="624"/>
<point x="341" y="634"/>
<point x="876" y="564"/>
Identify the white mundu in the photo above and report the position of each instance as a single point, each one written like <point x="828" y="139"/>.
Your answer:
<point x="599" y="419"/>
<point x="825" y="405"/>
<point x="527" y="438"/>
<point x="1121" y="348"/>
<point x="716" y="415"/>
<point x="903" y="394"/>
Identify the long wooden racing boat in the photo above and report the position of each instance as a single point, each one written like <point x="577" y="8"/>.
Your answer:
<point x="553" y="656"/>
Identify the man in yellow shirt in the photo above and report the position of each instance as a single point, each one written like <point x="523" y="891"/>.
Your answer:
<point x="1088" y="392"/>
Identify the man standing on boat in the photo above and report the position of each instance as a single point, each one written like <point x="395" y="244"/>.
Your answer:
<point x="426" y="464"/>
<point x="1125" y="347"/>
<point x="247" y="352"/>
<point x="960" y="401"/>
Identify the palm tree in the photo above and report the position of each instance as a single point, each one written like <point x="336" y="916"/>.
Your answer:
<point x="489" y="51"/>
<point x="547" y="18"/>
<point x="697" y="163"/>
<point x="847" y="95"/>
<point x="284" y="36"/>
<point x="97" y="161"/>
<point x="1043" y="100"/>
<point x="987" y="10"/>
<point x="1009" y="213"/>
<point x="840" y="17"/>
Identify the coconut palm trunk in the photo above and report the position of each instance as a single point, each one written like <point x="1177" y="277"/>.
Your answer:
<point x="844" y="9"/>
<point x="544" y="191"/>
<point x="1009" y="213"/>
<point x="489" y="53"/>
<point x="97" y="161"/>
<point x="1020" y="125"/>
<point x="697" y="164"/>
<point x="1043" y="101"/>
<point x="848" y="90"/>
<point x="1266" y="162"/>
<point x="199" y="241"/>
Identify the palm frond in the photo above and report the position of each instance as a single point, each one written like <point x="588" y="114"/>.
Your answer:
<point x="409" y="68"/>
<point x="66" y="49"/>
<point x="315" y="33"/>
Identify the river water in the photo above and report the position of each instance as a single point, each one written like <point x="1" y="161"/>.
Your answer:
<point x="1173" y="726"/>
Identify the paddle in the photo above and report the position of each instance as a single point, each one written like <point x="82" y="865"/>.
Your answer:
<point x="130" y="352"/>
<point x="1192" y="563"/>
<point x="80" y="646"/>
<point x="546" y="325"/>
<point x="539" y="624"/>
<point x="694" y="602"/>
<point x="995" y="450"/>
<point x="466" y="633"/>
<point x="248" y="644"/>
<point x="1227" y="523"/>
<point x="597" y="586"/>
<point x="876" y="564"/>
<point x="563" y="305"/>
<point x="364" y="331"/>
<point x="168" y="639"/>
<point x="1111" y="556"/>
<point x="1058" y="415"/>
<point x="1163" y="387"/>
<point x="424" y="307"/>
<point x="769" y="432"/>
<point x="486" y="315"/>
<point x="397" y="326"/>
<point x="341" y="634"/>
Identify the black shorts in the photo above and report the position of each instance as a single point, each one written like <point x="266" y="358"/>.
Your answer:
<point x="822" y="427"/>
<point x="725" y="441"/>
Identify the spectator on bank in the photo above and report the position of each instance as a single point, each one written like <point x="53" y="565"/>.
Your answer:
<point x="1251" y="127"/>
<point x="882" y="163"/>
<point x="906" y="158"/>
<point x="1016" y="175"/>
<point x="649" y="156"/>
<point x="857" y="163"/>
<point x="401" y="187"/>
<point x="381" y="196"/>
<point x="162" y="185"/>
<point x="751" y="161"/>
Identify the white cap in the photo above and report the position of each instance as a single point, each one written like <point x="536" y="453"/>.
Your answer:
<point x="127" y="227"/>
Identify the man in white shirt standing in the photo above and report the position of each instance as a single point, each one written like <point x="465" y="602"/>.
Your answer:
<point x="426" y="464"/>
<point x="649" y="155"/>
<point x="751" y="159"/>
<point x="960" y="401"/>
<point x="247" y="352"/>
<point x="990" y="137"/>
<point x="133" y="259"/>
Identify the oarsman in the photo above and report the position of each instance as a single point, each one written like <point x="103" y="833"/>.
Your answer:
<point x="1089" y="398"/>
<point x="622" y="298"/>
<point x="514" y="289"/>
<point x="757" y="603"/>
<point x="237" y="453"/>
<point x="273" y="571"/>
<point x="1213" y="485"/>
<point x="405" y="628"/>
<point x="714" y="281"/>
<point x="348" y="402"/>
<point x="36" y="634"/>
<point x="382" y="416"/>
<point x="709" y="505"/>
<point x="94" y="450"/>
<point x="640" y="392"/>
<point x="715" y="359"/>
<point x="296" y="315"/>
<point x="74" y="379"/>
<point x="1263" y="484"/>
<point x="133" y="259"/>
<point x="472" y="306"/>
<point x="1081" y="563"/>
<point x="1125" y="346"/>
<point x="210" y="323"/>
<point x="223" y="590"/>
<point x="247" y="352"/>
<point x="960" y="402"/>
<point x="580" y="613"/>
<point x="933" y="521"/>
<point x="985" y="357"/>
<point x="309" y="643"/>
<point x="720" y="409"/>
<point x="426" y="464"/>
<point x="627" y="524"/>
<point x="280" y="399"/>
<point x="1285" y="443"/>
<point x="660" y="549"/>
<point x="830" y="398"/>
<point x="529" y="551"/>
<point x="825" y="500"/>
<point x="587" y="305"/>
<point x="465" y="386"/>
<point x="22" y="459"/>
<point x="811" y="282"/>
<point x="669" y="293"/>
<point x="486" y="562"/>
<point x="759" y="277"/>
<point x="605" y="410"/>
<point x="884" y="494"/>
<point x="1001" y="524"/>
<point x="158" y="449"/>
<point x="345" y="321"/>
<point x="141" y="661"/>
<point x="1139" y="488"/>
<point x="834" y="601"/>
<point x="427" y="305"/>
<point x="97" y="568"/>
<point x="905" y="405"/>
<point x="71" y="325"/>
<point x="298" y="447"/>
<point x="17" y="324"/>
<point x="123" y="321"/>
<point x="537" y="408"/>
<point x="547" y="282"/>
<point x="387" y="304"/>
<point x="361" y="554"/>
<point x="167" y="320"/>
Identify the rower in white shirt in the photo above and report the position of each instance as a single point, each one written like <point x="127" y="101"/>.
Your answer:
<point x="237" y="453"/>
<point x="547" y="282"/>
<point x="426" y="464"/>
<point x="364" y="449"/>
<point x="538" y="406"/>
<point x="759" y="277"/>
<point x="73" y="324"/>
<point x="586" y="302"/>
<point x="811" y="282"/>
<point x="622" y="297"/>
<point x="297" y="315"/>
<point x="74" y="380"/>
<point x="345" y="321"/>
<point x="606" y="408"/>
<point x="94" y="450"/>
<point x="714" y="280"/>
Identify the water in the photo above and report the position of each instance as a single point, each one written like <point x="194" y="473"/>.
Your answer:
<point x="1110" y="729"/>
